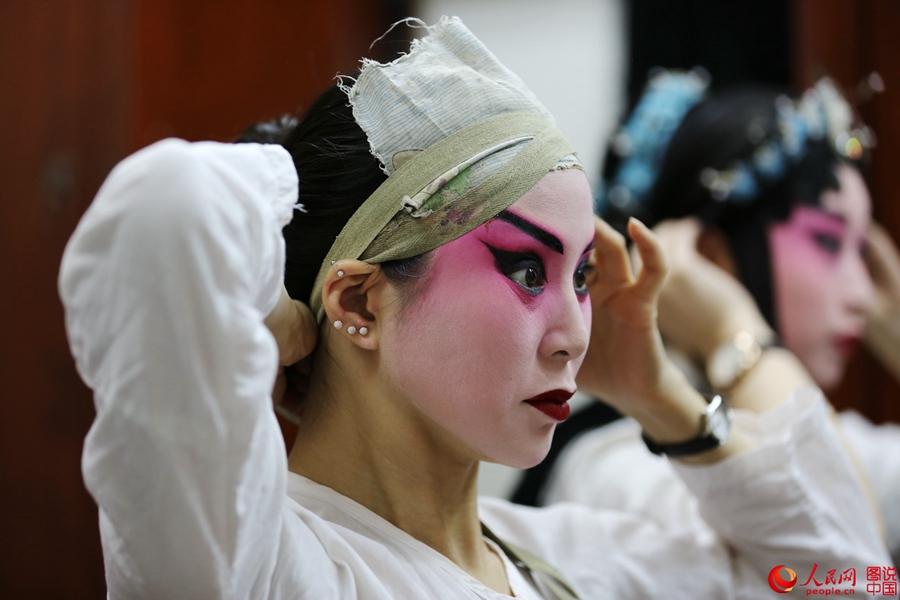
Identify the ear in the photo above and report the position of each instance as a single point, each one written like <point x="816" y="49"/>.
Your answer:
<point x="352" y="298"/>
<point x="713" y="245"/>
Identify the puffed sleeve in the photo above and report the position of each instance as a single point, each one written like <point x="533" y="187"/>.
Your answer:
<point x="878" y="449"/>
<point x="165" y="283"/>
<point x="794" y="499"/>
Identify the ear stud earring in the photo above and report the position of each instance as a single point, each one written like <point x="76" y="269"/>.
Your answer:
<point x="340" y="274"/>
<point x="351" y="330"/>
<point x="363" y="330"/>
<point x="338" y="324"/>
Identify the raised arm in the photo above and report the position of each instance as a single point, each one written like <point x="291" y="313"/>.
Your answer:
<point x="882" y="333"/>
<point x="166" y="283"/>
<point x="782" y="488"/>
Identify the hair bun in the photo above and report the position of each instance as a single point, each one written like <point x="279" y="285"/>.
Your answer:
<point x="274" y="131"/>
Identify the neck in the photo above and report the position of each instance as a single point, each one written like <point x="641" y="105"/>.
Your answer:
<point x="357" y="439"/>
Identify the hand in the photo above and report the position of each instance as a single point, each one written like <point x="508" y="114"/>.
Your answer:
<point x="625" y="363"/>
<point x="882" y="335"/>
<point x="296" y="332"/>
<point x="701" y="306"/>
<point x="884" y="266"/>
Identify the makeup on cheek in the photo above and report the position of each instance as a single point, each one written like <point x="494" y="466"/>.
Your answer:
<point x="827" y="230"/>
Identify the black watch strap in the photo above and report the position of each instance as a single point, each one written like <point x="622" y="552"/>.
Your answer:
<point x="713" y="432"/>
<point x="694" y="446"/>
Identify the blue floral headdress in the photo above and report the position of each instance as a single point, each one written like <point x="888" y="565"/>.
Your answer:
<point x="643" y="139"/>
<point x="820" y="114"/>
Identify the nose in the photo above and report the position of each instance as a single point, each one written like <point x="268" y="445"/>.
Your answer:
<point x="568" y="330"/>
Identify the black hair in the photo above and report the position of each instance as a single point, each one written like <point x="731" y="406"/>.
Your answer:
<point x="337" y="172"/>
<point x="721" y="130"/>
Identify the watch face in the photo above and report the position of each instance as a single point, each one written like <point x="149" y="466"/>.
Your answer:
<point x="732" y="359"/>
<point x="724" y="366"/>
<point x="719" y="425"/>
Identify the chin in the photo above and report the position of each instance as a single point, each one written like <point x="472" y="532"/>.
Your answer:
<point x="525" y="456"/>
<point x="828" y="376"/>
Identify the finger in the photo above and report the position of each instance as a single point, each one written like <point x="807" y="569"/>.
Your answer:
<point x="654" y="268"/>
<point x="636" y="263"/>
<point x="881" y="255"/>
<point x="611" y="255"/>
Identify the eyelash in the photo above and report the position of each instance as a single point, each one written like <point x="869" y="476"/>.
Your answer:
<point x="511" y="263"/>
<point x="585" y="270"/>
<point x="827" y="242"/>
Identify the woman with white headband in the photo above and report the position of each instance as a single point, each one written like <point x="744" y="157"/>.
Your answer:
<point x="444" y="241"/>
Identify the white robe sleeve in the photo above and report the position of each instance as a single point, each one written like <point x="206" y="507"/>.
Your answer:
<point x="878" y="450"/>
<point x="165" y="283"/>
<point x="795" y="500"/>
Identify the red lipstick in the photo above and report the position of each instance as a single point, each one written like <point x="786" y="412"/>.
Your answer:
<point x="846" y="344"/>
<point x="554" y="404"/>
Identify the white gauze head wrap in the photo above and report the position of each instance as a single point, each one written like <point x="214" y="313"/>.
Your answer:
<point x="461" y="138"/>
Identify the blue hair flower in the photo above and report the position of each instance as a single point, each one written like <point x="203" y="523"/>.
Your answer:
<point x="643" y="139"/>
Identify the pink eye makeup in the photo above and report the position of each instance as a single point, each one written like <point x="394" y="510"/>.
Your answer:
<point x="525" y="267"/>
<point x="828" y="231"/>
<point x="826" y="241"/>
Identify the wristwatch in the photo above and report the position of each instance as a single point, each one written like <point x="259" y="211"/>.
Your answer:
<point x="715" y="425"/>
<point x="732" y="359"/>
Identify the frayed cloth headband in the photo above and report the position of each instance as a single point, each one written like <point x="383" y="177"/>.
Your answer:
<point x="391" y="225"/>
<point x="460" y="137"/>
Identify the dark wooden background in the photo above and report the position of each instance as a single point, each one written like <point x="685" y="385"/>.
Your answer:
<point x="82" y="84"/>
<point x="85" y="82"/>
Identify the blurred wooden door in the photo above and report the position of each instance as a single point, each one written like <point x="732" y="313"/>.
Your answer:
<point x="82" y="84"/>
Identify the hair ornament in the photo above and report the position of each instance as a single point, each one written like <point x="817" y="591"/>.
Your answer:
<point x="643" y="139"/>
<point x="821" y="113"/>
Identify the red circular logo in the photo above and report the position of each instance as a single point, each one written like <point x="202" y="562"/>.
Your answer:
<point x="782" y="579"/>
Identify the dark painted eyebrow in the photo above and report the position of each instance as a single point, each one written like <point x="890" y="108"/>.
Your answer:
<point x="834" y="216"/>
<point x="541" y="235"/>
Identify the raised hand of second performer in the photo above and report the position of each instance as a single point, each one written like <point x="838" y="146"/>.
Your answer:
<point x="701" y="305"/>
<point x="882" y="334"/>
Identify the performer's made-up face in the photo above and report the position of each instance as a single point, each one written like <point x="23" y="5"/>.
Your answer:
<point x="502" y="316"/>
<point x="822" y="285"/>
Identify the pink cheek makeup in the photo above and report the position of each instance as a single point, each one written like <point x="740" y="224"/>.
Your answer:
<point x="816" y="235"/>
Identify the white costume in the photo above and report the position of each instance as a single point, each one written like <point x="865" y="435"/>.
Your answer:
<point x="610" y="467"/>
<point x="166" y="282"/>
